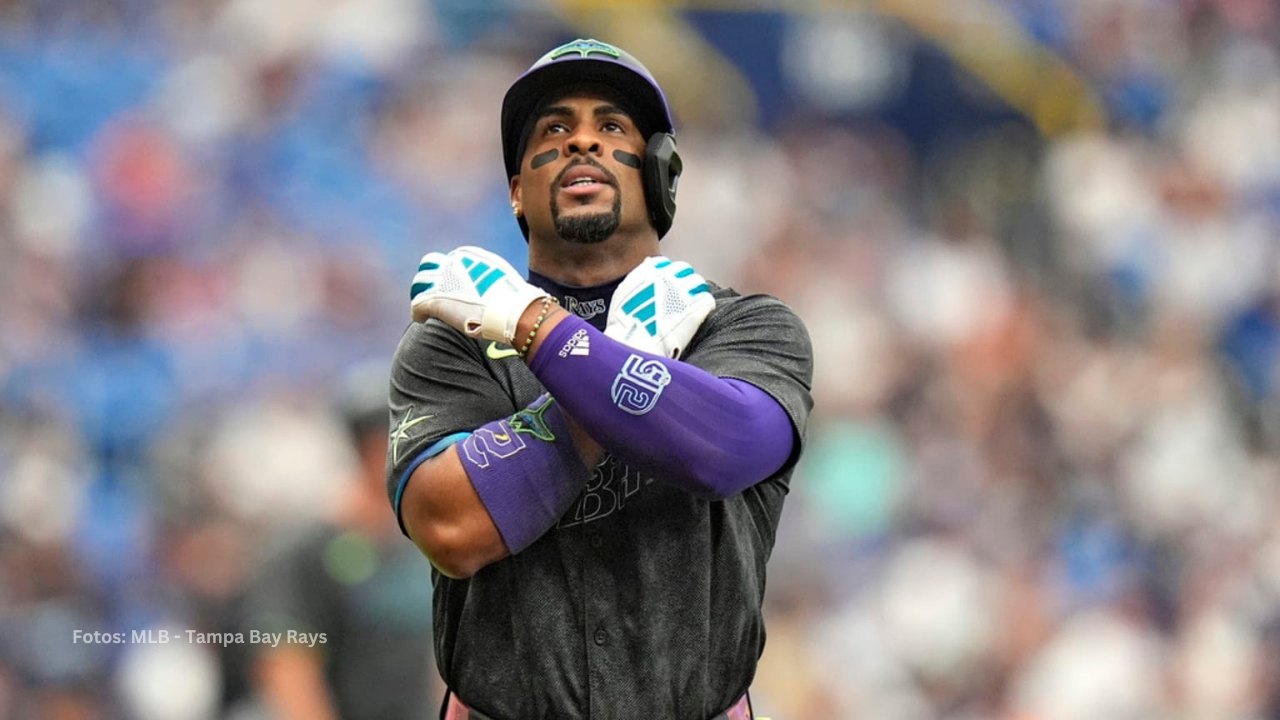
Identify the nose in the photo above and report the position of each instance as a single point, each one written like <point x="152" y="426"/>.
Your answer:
<point x="583" y="140"/>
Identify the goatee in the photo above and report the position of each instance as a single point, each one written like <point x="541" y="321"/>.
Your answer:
<point x="588" y="229"/>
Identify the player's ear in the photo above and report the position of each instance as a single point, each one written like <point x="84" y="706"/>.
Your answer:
<point x="517" y="199"/>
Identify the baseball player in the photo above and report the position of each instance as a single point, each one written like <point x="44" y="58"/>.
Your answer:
<point x="595" y="457"/>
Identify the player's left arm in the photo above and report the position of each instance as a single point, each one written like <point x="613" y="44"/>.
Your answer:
<point x="713" y="430"/>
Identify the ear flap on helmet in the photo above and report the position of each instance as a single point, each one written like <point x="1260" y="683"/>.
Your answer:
<point x="662" y="167"/>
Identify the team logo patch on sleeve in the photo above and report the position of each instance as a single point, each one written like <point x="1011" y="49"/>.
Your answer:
<point x="532" y="420"/>
<point x="401" y="432"/>
<point x="639" y="384"/>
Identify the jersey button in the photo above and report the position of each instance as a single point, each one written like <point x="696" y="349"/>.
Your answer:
<point x="602" y="637"/>
<point x="596" y="541"/>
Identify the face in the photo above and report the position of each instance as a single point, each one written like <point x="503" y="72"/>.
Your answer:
<point x="580" y="177"/>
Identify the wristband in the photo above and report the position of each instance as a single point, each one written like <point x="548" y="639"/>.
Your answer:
<point x="547" y="300"/>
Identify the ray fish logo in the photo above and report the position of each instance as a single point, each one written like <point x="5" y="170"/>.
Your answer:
<point x="584" y="48"/>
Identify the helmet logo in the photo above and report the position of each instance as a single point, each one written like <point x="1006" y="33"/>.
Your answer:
<point x="584" y="48"/>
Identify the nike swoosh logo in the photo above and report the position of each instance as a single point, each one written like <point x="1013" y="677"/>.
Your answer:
<point x="495" y="354"/>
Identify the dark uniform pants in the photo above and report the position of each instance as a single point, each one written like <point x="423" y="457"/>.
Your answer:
<point x="455" y="710"/>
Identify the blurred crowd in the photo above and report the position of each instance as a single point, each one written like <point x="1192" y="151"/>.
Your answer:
<point x="1041" y="480"/>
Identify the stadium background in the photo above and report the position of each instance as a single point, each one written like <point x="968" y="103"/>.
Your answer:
<point x="1035" y="242"/>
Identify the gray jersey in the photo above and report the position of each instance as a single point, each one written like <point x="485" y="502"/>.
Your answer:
<point x="644" y="601"/>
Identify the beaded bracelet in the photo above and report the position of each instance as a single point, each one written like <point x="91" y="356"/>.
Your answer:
<point x="547" y="301"/>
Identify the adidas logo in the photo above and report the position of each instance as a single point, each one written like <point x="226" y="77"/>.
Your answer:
<point x="578" y="344"/>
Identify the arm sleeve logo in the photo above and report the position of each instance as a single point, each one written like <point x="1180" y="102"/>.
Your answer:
<point x="639" y="384"/>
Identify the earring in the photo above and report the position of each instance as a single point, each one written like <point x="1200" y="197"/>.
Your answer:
<point x="515" y="209"/>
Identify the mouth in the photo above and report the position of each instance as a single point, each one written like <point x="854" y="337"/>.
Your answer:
<point x="584" y="180"/>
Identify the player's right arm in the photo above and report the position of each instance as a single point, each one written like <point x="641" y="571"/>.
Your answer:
<point x="444" y="516"/>
<point x="439" y="394"/>
<point x="471" y="481"/>
<point x="447" y="519"/>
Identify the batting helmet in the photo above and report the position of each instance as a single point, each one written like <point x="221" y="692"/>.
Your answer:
<point x="584" y="62"/>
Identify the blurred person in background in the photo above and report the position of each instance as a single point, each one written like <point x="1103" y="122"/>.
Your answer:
<point x="345" y="594"/>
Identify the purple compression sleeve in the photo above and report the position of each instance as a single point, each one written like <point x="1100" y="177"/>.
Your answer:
<point x="526" y="471"/>
<point x="711" y="436"/>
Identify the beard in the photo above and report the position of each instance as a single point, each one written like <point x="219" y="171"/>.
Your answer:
<point x="588" y="229"/>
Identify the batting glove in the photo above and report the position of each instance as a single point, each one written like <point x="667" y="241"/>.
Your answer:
<point x="472" y="290"/>
<point x="659" y="306"/>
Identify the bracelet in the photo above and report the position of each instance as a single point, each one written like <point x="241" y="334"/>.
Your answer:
<point x="547" y="301"/>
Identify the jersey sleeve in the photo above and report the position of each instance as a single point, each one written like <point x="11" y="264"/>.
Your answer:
<point x="441" y="390"/>
<point x="760" y="340"/>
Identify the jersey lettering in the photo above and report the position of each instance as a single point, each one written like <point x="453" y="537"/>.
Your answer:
<point x="607" y="491"/>
<point x="585" y="309"/>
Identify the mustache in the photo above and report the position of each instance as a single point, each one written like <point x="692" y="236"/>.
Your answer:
<point x="610" y="177"/>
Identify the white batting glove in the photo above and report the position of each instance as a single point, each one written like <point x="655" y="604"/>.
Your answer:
<point x="659" y="306"/>
<point x="472" y="290"/>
